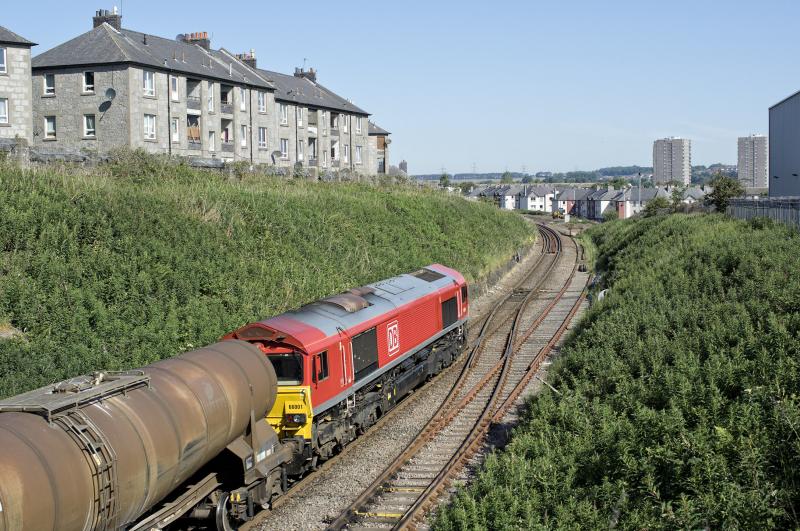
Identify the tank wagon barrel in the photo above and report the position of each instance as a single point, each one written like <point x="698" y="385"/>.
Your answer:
<point x="99" y="451"/>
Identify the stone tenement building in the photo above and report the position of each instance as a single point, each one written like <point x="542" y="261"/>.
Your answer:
<point x="15" y="86"/>
<point x="672" y="160"/>
<point x="113" y="87"/>
<point x="315" y="127"/>
<point x="379" y="147"/>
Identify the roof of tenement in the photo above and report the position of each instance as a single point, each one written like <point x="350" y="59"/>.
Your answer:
<point x="105" y="45"/>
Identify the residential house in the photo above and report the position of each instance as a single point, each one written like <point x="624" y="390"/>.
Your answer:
<point x="15" y="86"/>
<point x="378" y="149"/>
<point x="632" y="201"/>
<point x="573" y="201"/>
<point x="600" y="201"/>
<point x="537" y="198"/>
<point x="113" y="87"/>
<point x="316" y="128"/>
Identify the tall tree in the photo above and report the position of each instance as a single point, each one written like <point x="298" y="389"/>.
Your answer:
<point x="507" y="178"/>
<point x="725" y="188"/>
<point x="444" y="180"/>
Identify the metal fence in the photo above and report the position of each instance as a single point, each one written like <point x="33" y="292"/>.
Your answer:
<point x="782" y="209"/>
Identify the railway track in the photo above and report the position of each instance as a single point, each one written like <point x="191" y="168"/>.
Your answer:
<point x="513" y="340"/>
<point x="453" y="377"/>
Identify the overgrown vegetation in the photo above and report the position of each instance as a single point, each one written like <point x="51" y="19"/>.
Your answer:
<point x="142" y="259"/>
<point x="677" y="402"/>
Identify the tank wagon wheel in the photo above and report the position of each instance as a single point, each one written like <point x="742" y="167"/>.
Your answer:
<point x="222" y="513"/>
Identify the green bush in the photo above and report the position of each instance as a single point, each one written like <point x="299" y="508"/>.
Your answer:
<point x="679" y="402"/>
<point x="145" y="258"/>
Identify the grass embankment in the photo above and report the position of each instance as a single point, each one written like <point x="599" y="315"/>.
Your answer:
<point x="677" y="402"/>
<point x="118" y="269"/>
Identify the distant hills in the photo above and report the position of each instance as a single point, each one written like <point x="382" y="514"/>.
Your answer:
<point x="700" y="174"/>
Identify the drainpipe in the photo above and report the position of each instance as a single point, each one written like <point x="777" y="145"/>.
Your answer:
<point x="352" y="147"/>
<point x="169" y="114"/>
<point x="252" y="144"/>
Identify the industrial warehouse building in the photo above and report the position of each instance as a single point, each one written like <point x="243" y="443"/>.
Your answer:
<point x="784" y="155"/>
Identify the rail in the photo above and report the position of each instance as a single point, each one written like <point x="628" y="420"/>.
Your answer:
<point x="483" y="395"/>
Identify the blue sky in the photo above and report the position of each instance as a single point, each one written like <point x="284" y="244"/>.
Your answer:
<point x="557" y="85"/>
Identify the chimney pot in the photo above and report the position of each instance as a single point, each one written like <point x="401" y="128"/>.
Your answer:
<point x="105" y="16"/>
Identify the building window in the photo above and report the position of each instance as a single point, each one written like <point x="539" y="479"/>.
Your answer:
<point x="262" y="101"/>
<point x="300" y="117"/>
<point x="358" y="154"/>
<point x="49" y="84"/>
<point x="175" y="128"/>
<point x="49" y="126"/>
<point x="88" y="81"/>
<point x="324" y="159"/>
<point x="324" y="122"/>
<point x="358" y="125"/>
<point x="3" y="110"/>
<point x="284" y="148"/>
<point x="149" y="83"/>
<point x="242" y="99"/>
<point x="149" y="126"/>
<point x="243" y="139"/>
<point x="89" y="126"/>
<point x="3" y="64"/>
<point x="173" y="88"/>
<point x="262" y="137"/>
<point x="284" y="114"/>
<point x="210" y="96"/>
<point x="300" y="150"/>
<point x="346" y="153"/>
<point x="212" y="141"/>
<point x="344" y="123"/>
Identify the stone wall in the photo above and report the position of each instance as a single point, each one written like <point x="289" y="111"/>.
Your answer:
<point x="15" y="85"/>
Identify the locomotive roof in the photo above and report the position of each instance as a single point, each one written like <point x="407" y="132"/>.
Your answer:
<point x="351" y="309"/>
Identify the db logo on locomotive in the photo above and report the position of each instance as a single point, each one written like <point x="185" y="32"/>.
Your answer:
<point x="393" y="337"/>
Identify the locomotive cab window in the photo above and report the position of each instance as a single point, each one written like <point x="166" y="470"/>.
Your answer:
<point x="321" y="366"/>
<point x="288" y="368"/>
<point x="464" y="294"/>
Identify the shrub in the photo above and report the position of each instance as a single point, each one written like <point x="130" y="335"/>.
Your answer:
<point x="678" y="401"/>
<point x="143" y="259"/>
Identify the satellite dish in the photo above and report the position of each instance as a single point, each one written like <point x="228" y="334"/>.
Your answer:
<point x="111" y="94"/>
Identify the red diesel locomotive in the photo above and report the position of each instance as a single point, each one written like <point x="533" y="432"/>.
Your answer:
<point x="345" y="360"/>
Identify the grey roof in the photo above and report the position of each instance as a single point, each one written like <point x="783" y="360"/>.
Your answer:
<point x="105" y="45"/>
<point x="293" y="89"/>
<point x="9" y="37"/>
<point x="376" y="130"/>
<point x="538" y="191"/>
<point x="574" y="194"/>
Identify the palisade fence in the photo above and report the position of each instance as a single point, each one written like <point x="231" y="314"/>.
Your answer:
<point x="782" y="209"/>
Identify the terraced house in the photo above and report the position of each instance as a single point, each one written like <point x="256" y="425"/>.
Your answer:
<point x="113" y="87"/>
<point x="315" y="127"/>
<point x="15" y="86"/>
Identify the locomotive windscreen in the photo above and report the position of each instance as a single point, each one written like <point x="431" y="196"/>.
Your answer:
<point x="288" y="368"/>
<point x="365" y="353"/>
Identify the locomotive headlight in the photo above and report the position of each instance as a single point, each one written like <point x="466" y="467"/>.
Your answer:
<point x="295" y="418"/>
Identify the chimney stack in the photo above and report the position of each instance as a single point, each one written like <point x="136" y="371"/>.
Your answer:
<point x="309" y="74"/>
<point x="112" y="18"/>
<point x="248" y="58"/>
<point x="200" y="38"/>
